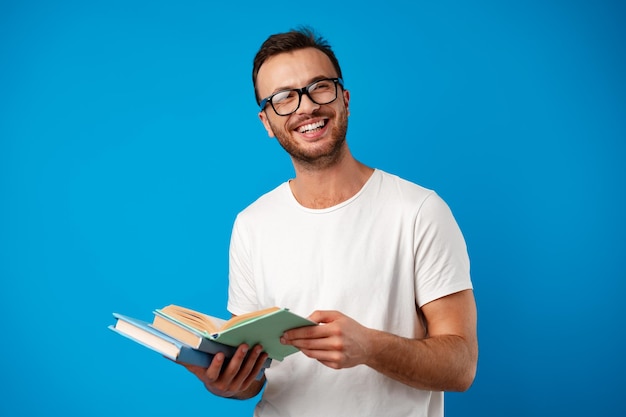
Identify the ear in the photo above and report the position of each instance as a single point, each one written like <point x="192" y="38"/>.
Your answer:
<point x="346" y="101"/>
<point x="266" y="124"/>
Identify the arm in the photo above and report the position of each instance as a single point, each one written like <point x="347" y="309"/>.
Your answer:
<point x="443" y="361"/>
<point x="238" y="378"/>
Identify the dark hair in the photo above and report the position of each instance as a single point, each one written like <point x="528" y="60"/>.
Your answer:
<point x="303" y="37"/>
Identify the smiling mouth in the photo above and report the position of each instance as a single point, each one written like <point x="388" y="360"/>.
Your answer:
<point x="312" y="127"/>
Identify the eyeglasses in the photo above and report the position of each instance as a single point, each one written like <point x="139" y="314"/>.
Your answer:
<point x="320" y="92"/>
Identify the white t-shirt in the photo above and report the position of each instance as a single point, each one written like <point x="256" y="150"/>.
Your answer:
<point x="375" y="257"/>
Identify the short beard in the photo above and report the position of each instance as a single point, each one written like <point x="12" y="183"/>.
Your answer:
<point x="318" y="158"/>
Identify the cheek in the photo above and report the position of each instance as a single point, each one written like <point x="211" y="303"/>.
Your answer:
<point x="267" y="125"/>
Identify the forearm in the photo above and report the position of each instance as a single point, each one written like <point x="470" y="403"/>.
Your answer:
<point x="440" y="363"/>
<point x="444" y="361"/>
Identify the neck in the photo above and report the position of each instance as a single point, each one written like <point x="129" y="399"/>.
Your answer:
<point x="323" y="187"/>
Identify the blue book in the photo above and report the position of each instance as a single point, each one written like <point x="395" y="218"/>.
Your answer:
<point x="143" y="333"/>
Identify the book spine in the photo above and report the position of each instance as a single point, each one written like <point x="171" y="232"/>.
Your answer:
<point x="210" y="346"/>
<point x="191" y="356"/>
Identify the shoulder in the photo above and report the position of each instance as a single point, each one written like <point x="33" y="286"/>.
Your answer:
<point x="412" y="201"/>
<point x="395" y="188"/>
<point x="267" y="204"/>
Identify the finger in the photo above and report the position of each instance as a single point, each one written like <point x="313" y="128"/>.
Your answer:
<point x="309" y="332"/>
<point x="247" y="368"/>
<point x="329" y="358"/>
<point x="256" y="369"/>
<point x="236" y="361"/>
<point x="324" y="316"/>
<point x="310" y="344"/>
<point x="214" y="371"/>
<point x="244" y="364"/>
<point x="223" y="375"/>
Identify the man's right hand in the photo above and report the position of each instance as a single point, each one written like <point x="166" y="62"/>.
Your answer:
<point x="236" y="379"/>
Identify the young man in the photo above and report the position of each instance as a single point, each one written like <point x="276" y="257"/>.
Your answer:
<point x="378" y="261"/>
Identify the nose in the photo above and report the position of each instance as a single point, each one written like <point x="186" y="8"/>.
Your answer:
<point x="307" y="106"/>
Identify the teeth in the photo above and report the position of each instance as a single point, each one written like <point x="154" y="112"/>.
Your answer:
<point x="311" y="127"/>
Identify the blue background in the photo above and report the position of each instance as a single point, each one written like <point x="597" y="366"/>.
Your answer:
<point x="129" y="140"/>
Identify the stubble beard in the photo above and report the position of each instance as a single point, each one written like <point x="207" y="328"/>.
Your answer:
<point x="316" y="157"/>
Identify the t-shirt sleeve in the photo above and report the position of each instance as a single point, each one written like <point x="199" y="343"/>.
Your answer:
<point x="441" y="259"/>
<point x="241" y="289"/>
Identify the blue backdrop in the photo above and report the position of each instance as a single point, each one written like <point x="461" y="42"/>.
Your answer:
<point x="129" y="141"/>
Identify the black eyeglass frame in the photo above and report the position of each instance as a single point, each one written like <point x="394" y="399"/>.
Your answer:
<point x="301" y="91"/>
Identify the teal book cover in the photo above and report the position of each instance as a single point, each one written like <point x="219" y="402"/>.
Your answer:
<point x="265" y="330"/>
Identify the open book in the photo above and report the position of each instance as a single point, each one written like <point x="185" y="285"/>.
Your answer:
<point x="264" y="327"/>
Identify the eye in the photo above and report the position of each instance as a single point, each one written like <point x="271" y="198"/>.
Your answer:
<point x="283" y="96"/>
<point x="321" y="86"/>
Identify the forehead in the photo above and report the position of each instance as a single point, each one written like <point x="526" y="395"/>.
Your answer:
<point x="293" y="69"/>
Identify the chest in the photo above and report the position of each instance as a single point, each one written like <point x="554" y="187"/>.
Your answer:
<point x="350" y="263"/>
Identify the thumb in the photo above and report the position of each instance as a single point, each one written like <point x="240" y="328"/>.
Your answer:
<point x="325" y="316"/>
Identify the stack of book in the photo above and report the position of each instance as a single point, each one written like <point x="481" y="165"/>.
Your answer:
<point x="190" y="337"/>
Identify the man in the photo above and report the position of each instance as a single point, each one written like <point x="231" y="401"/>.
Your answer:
<point x="379" y="261"/>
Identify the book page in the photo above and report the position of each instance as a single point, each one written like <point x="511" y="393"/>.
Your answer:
<point x="193" y="318"/>
<point x="245" y="317"/>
